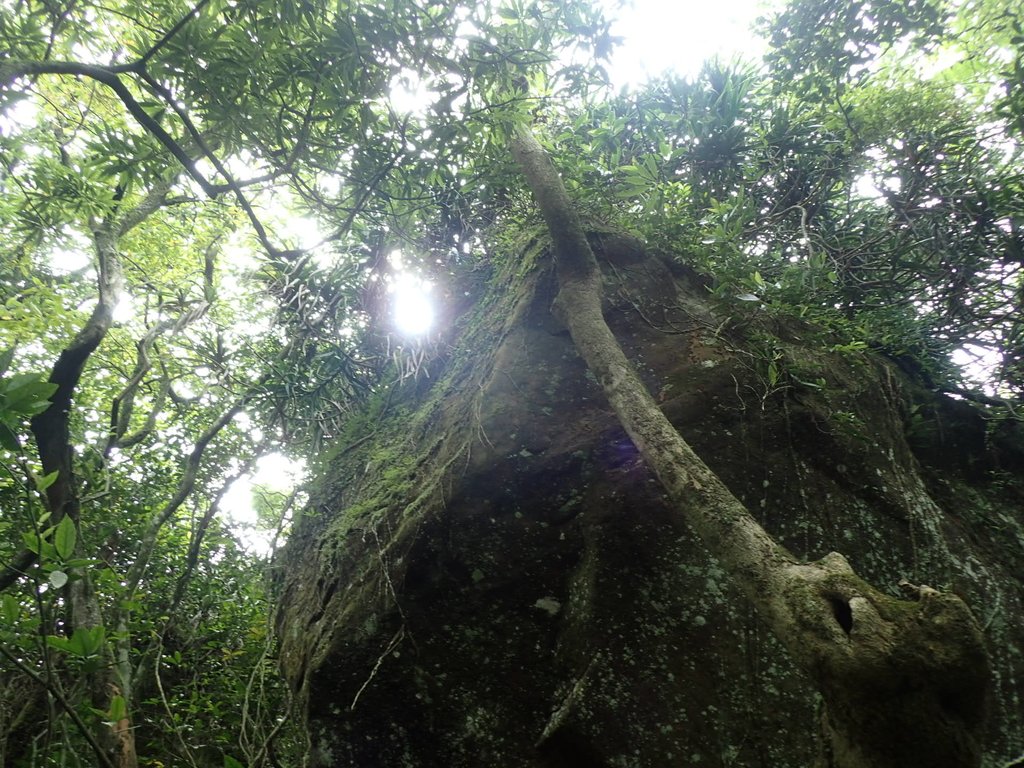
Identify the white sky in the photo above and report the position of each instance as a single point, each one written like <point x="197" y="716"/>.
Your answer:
<point x="274" y="472"/>
<point x="679" y="35"/>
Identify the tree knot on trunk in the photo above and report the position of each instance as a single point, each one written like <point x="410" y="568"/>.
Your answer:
<point x="910" y="675"/>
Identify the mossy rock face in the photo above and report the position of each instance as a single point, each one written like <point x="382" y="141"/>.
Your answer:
<point x="493" y="578"/>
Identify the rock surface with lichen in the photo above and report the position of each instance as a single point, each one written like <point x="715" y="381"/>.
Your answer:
<point x="487" y="575"/>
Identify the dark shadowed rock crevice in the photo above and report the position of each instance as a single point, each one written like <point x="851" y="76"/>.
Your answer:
<point x="489" y="576"/>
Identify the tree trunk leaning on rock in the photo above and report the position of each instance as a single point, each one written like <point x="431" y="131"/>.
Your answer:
<point x="904" y="682"/>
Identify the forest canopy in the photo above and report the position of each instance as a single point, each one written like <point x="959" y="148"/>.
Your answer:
<point x="209" y="213"/>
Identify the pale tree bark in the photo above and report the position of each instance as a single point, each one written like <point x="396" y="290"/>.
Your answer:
<point x="903" y="681"/>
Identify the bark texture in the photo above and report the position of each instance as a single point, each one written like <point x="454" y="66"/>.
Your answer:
<point x="901" y="684"/>
<point x="490" y="574"/>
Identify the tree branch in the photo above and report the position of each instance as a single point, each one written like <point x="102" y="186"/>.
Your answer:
<point x="168" y="36"/>
<point x="51" y="428"/>
<point x="12" y="70"/>
<point x="210" y="155"/>
<point x="186" y="483"/>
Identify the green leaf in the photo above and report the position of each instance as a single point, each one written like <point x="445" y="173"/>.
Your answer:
<point x="65" y="537"/>
<point x="82" y="562"/>
<point x="27" y="394"/>
<point x="118" y="709"/>
<point x="58" y="579"/>
<point x="45" y="481"/>
<point x="33" y="542"/>
<point x="10" y="610"/>
<point x="230" y="762"/>
<point x="86" y="642"/>
<point x="8" y="439"/>
<point x="59" y="643"/>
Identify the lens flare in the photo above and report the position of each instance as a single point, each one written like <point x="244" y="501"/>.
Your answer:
<point x="413" y="307"/>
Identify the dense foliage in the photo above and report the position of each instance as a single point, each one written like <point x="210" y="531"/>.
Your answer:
<point x="200" y="204"/>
